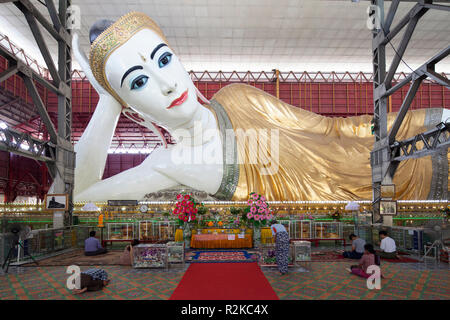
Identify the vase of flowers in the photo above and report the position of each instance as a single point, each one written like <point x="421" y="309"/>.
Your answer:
<point x="186" y="208"/>
<point x="257" y="214"/>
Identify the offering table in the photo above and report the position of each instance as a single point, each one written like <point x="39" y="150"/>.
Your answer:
<point x="221" y="238"/>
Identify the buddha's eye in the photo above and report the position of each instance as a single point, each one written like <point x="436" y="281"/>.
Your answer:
<point x="164" y="59"/>
<point x="139" y="82"/>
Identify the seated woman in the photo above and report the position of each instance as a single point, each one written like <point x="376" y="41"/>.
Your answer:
<point x="243" y="140"/>
<point x="126" y="259"/>
<point x="369" y="258"/>
<point x="92" y="280"/>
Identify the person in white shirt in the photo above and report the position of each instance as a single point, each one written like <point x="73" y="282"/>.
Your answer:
<point x="387" y="246"/>
<point x="281" y="236"/>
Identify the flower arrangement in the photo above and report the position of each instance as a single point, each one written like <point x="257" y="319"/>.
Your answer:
<point x="258" y="212"/>
<point x="186" y="208"/>
<point x="237" y="220"/>
<point x="335" y="215"/>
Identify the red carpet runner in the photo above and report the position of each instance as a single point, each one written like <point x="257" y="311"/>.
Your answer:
<point x="224" y="281"/>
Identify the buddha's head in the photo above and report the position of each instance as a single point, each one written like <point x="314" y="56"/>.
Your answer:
<point x="133" y="61"/>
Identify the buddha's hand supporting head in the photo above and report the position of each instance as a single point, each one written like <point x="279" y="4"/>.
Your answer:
<point x="132" y="60"/>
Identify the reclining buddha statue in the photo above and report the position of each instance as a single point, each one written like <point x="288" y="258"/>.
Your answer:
<point x="299" y="155"/>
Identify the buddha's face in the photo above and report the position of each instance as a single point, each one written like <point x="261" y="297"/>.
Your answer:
<point x="148" y="76"/>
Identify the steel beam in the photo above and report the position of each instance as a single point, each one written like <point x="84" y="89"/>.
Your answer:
<point x="387" y="153"/>
<point x="53" y="14"/>
<point x="41" y="109"/>
<point x="437" y="6"/>
<point x="404" y="108"/>
<point x="390" y="16"/>
<point x="427" y="68"/>
<point x="26" y="70"/>
<point x="42" y="46"/>
<point x="12" y="70"/>
<point x="27" y="6"/>
<point x="438" y="78"/>
<point x="11" y="141"/>
<point x="433" y="140"/>
<point x="403" y="44"/>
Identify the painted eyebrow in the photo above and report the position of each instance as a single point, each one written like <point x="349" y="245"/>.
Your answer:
<point x="159" y="46"/>
<point x="129" y="71"/>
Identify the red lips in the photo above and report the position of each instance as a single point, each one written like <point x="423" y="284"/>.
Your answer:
<point x="179" y="100"/>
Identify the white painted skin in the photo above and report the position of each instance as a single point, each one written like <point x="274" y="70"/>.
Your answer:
<point x="159" y="170"/>
<point x="445" y="115"/>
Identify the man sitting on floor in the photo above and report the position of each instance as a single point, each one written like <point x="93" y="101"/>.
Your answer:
<point x="387" y="246"/>
<point x="357" y="248"/>
<point x="92" y="246"/>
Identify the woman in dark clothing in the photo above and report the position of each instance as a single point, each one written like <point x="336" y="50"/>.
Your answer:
<point x="281" y="246"/>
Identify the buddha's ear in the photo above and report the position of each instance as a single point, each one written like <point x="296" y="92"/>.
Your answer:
<point x="145" y="122"/>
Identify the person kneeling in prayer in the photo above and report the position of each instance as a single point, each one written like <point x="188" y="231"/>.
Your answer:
<point x="92" y="280"/>
<point x="357" y="248"/>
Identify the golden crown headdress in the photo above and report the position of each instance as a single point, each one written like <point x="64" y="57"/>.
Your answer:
<point x="112" y="38"/>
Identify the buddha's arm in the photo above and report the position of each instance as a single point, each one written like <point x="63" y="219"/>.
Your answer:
<point x="133" y="183"/>
<point x="92" y="149"/>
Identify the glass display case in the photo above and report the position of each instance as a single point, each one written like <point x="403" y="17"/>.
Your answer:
<point x="145" y="230"/>
<point x="46" y="241"/>
<point x="364" y="232"/>
<point x="167" y="230"/>
<point x="175" y="252"/>
<point x="407" y="238"/>
<point x="302" y="252"/>
<point x="300" y="229"/>
<point x="58" y="236"/>
<point x="157" y="230"/>
<point x="347" y="230"/>
<point x="150" y="256"/>
<point x="120" y="231"/>
<point x="327" y="230"/>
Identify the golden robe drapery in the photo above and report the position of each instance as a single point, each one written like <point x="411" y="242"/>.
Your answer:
<point x="320" y="158"/>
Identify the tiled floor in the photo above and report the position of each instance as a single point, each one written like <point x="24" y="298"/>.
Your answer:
<point x="330" y="280"/>
<point x="325" y="280"/>
<point x="127" y="283"/>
